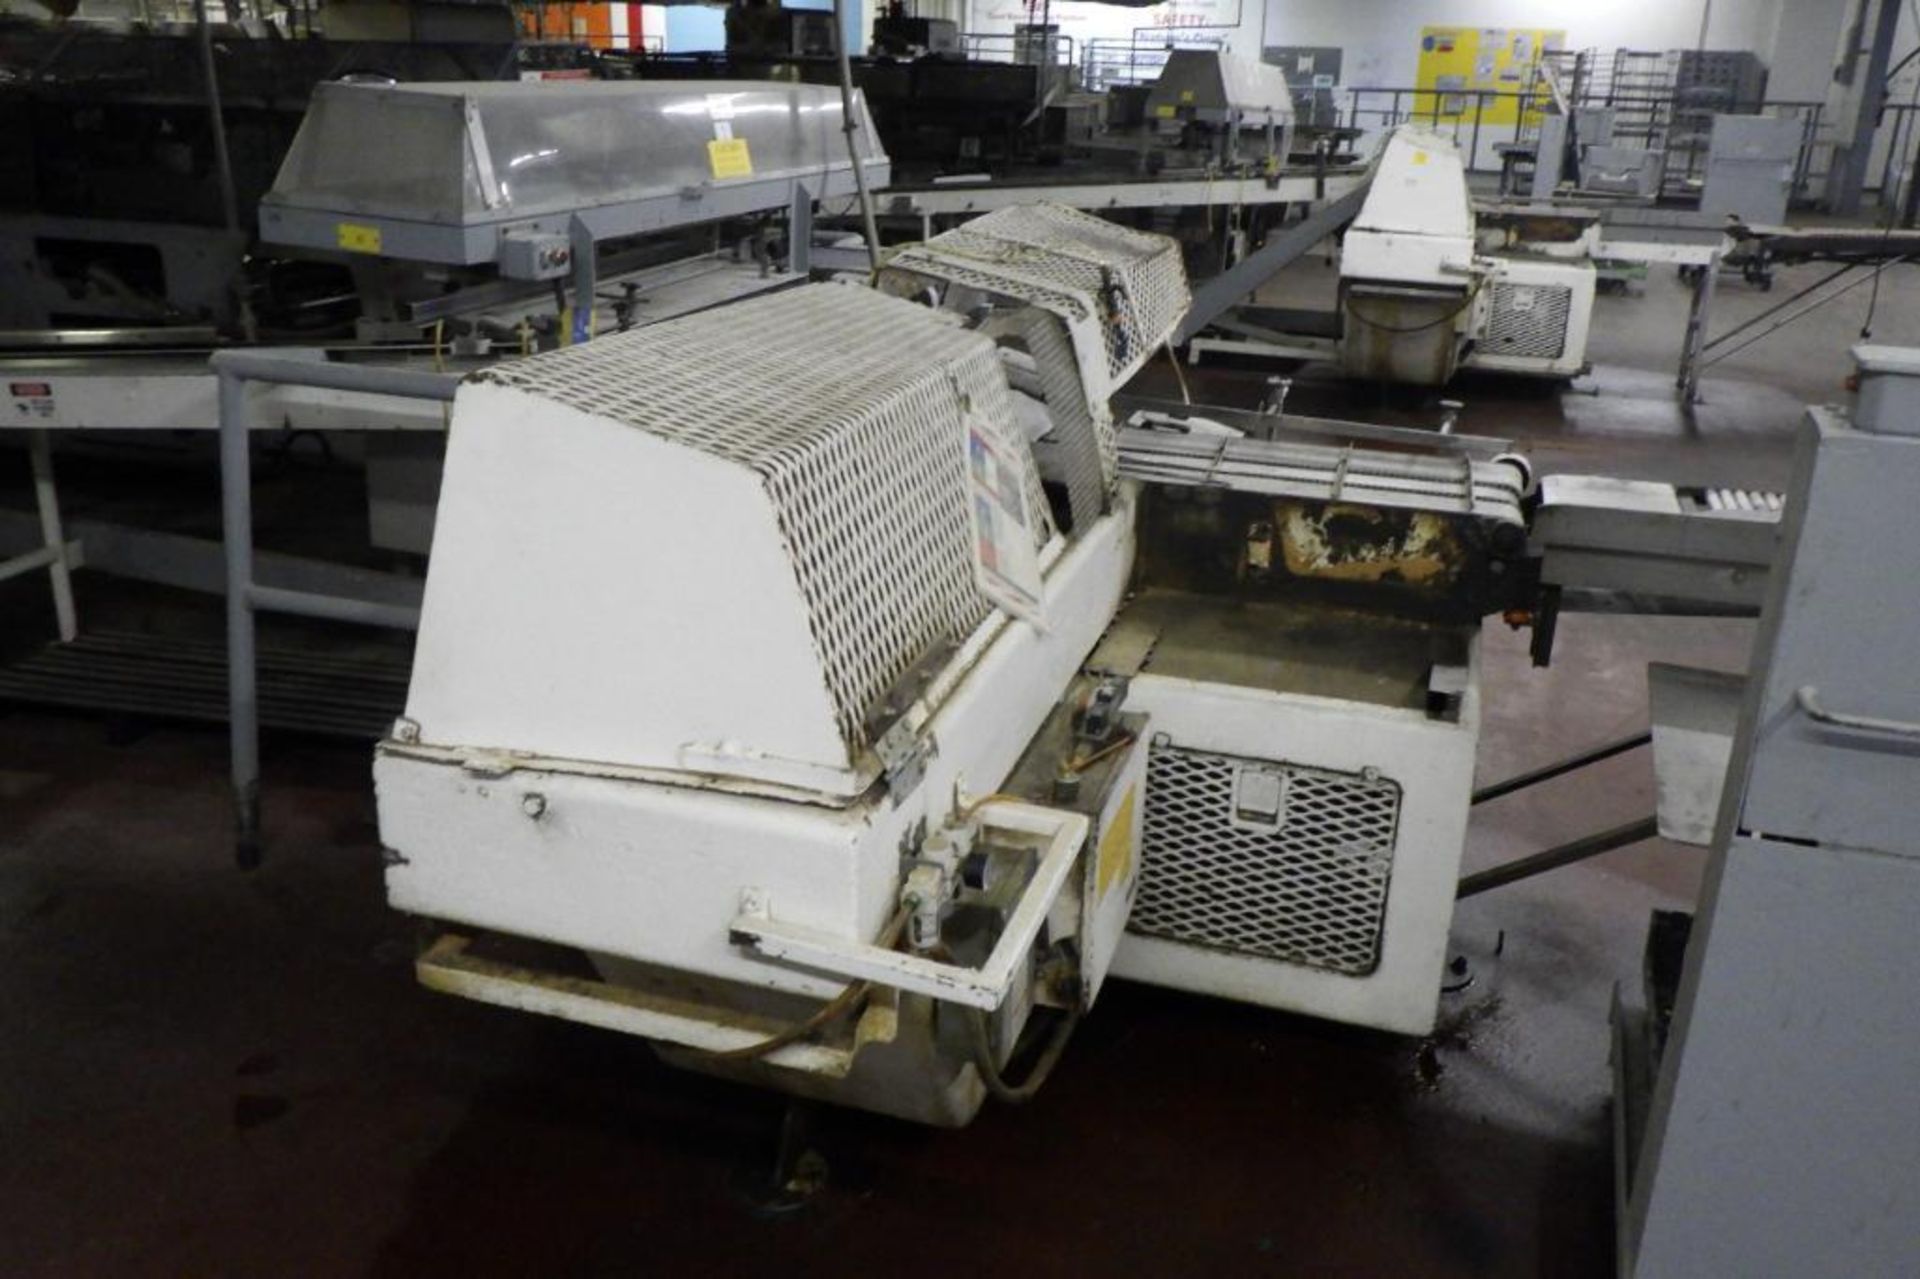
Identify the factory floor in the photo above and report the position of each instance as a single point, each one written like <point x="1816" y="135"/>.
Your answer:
<point x="207" y="1072"/>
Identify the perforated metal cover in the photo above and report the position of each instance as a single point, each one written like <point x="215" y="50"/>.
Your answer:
<point x="1264" y="858"/>
<point x="1085" y="439"/>
<point x="850" y="406"/>
<point x="1130" y="284"/>
<point x="1528" y="321"/>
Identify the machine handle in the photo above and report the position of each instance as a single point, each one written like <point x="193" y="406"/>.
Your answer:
<point x="1808" y="699"/>
<point x="986" y="987"/>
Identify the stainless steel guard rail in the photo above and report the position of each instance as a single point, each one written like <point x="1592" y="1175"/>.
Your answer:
<point x="245" y="597"/>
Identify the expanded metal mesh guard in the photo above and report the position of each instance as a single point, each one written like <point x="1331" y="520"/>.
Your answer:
<point x="1075" y="265"/>
<point x="1308" y="888"/>
<point x="849" y="405"/>
<point x="1088" y="448"/>
<point x="1528" y="321"/>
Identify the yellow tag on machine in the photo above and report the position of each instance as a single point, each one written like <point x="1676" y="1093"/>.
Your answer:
<point x="356" y="237"/>
<point x="729" y="158"/>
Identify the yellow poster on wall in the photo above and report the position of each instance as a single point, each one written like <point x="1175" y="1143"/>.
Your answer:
<point x="1479" y="73"/>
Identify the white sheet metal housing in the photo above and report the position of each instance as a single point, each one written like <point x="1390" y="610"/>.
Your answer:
<point x="709" y="545"/>
<point x="1417" y="221"/>
<point x="1121" y="292"/>
<point x="669" y="568"/>
<point x="1420" y="298"/>
<point x="1533" y="316"/>
<point x="1221" y="88"/>
<point x="1428" y="761"/>
<point x="651" y="865"/>
<point x="459" y="166"/>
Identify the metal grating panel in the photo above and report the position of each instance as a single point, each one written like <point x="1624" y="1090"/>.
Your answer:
<point x="1086" y="439"/>
<point x="1492" y="490"/>
<point x="180" y="677"/>
<point x="1073" y="264"/>
<point x="1307" y="885"/>
<point x="849" y="404"/>
<point x="1528" y="321"/>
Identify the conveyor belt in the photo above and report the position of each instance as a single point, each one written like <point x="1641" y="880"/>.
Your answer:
<point x="1489" y="490"/>
<point x="167" y="677"/>
<point x="1859" y="245"/>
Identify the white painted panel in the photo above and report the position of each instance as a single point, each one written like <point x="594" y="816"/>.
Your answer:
<point x="1432" y="762"/>
<point x="600" y="594"/>
<point x="647" y="872"/>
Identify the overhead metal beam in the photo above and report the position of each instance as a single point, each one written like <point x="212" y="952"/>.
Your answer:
<point x="1283" y="247"/>
<point x="1858" y="152"/>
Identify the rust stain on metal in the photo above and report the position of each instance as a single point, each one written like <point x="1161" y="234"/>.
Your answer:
<point x="1346" y="543"/>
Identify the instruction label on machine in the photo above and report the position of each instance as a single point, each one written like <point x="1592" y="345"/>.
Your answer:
<point x="1006" y="564"/>
<point x="32" y="399"/>
<point x="728" y="158"/>
<point x="355" y="237"/>
<point x="1114" y="858"/>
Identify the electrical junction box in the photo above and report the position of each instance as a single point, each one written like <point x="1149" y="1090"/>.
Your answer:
<point x="535" y="256"/>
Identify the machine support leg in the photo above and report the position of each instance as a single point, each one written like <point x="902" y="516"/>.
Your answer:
<point x="585" y="270"/>
<point x="1698" y="315"/>
<point x="1560" y="768"/>
<point x="1554" y="858"/>
<point x="245" y="596"/>
<point x="243" y="702"/>
<point x="40" y="455"/>
<point x="798" y="1171"/>
<point x="800" y="231"/>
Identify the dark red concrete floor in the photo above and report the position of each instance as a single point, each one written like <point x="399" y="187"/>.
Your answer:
<point x="216" y="1073"/>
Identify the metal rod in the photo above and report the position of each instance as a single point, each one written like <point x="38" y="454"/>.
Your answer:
<point x="335" y="608"/>
<point x="1805" y="311"/>
<point x="26" y="562"/>
<point x="1694" y="343"/>
<point x="1560" y="768"/>
<point x="1777" y="307"/>
<point x="40" y="454"/>
<point x="223" y="158"/>
<point x="223" y="163"/>
<point x="867" y="221"/>
<point x="243" y="696"/>
<point x="245" y="596"/>
<point x="1554" y="858"/>
<point x="267" y="366"/>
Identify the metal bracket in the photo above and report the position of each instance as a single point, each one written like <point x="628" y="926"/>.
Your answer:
<point x="903" y="757"/>
<point x="452" y="967"/>
<point x="893" y="726"/>
<point x="490" y="193"/>
<point x="985" y="987"/>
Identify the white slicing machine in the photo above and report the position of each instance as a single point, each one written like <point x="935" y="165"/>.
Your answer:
<point x="827" y="689"/>
<point x="1425" y="292"/>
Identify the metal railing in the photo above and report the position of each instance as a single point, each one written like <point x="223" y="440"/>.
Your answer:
<point x="247" y="597"/>
<point x="1478" y="120"/>
<point x="1009" y="46"/>
<point x="1138" y="60"/>
<point x="54" y="554"/>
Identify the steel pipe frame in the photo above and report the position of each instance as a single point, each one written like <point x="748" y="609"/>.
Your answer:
<point x="245" y="597"/>
<point x="53" y="553"/>
<point x="1567" y="854"/>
